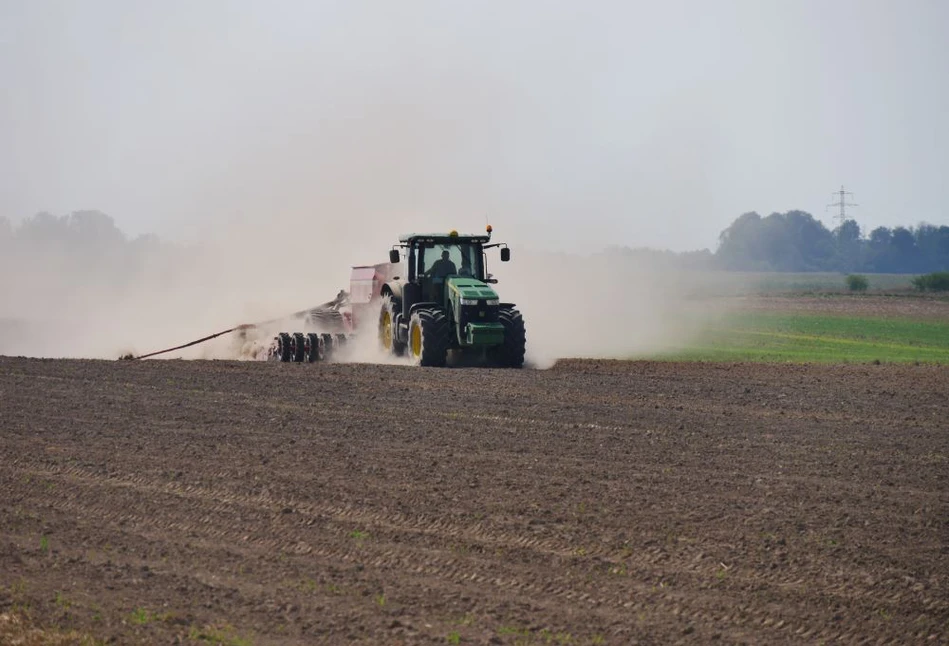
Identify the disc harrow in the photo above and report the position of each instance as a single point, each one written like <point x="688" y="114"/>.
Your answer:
<point x="310" y="347"/>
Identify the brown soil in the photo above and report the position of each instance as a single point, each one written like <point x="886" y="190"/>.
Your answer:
<point x="910" y="306"/>
<point x="597" y="502"/>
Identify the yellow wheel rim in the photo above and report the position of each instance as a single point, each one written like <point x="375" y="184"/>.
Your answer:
<point x="416" y="341"/>
<point x="386" y="331"/>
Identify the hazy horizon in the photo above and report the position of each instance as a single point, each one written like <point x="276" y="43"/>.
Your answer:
<point x="565" y="126"/>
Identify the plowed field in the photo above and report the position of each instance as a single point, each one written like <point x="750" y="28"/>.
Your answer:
<point x="596" y="502"/>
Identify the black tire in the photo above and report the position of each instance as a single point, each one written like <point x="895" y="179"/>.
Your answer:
<point x="433" y="330"/>
<point x="314" y="347"/>
<point x="298" y="348"/>
<point x="510" y="354"/>
<point x="328" y="346"/>
<point x="388" y="335"/>
<point x="281" y="349"/>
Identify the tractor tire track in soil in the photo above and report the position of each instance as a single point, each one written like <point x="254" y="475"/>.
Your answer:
<point x="597" y="502"/>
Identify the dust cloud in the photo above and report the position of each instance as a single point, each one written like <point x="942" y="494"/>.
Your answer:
<point x="607" y="305"/>
<point x="75" y="296"/>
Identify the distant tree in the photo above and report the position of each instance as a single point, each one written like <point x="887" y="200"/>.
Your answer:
<point x="933" y="245"/>
<point x="904" y="251"/>
<point x="792" y="241"/>
<point x="942" y="246"/>
<point x="848" y="232"/>
<point x="936" y="282"/>
<point x="739" y="246"/>
<point x="880" y="238"/>
<point x="89" y="230"/>
<point x="857" y="283"/>
<point x="779" y="244"/>
<point x="6" y="231"/>
<point x="43" y="228"/>
<point x="850" y="247"/>
<point x="94" y="229"/>
<point x="814" y="242"/>
<point x="702" y="259"/>
<point x="879" y="256"/>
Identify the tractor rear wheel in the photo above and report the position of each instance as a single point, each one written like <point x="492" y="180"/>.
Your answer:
<point x="388" y="338"/>
<point x="510" y="354"/>
<point x="429" y="337"/>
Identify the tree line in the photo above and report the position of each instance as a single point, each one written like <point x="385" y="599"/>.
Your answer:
<point x="796" y="241"/>
<point x="91" y="232"/>
<point x="71" y="255"/>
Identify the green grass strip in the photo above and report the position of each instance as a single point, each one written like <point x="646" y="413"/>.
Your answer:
<point x="819" y="338"/>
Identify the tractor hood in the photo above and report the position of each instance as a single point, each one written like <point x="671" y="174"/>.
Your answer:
<point x="470" y="288"/>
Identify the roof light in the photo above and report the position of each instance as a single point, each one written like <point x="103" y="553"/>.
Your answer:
<point x="453" y="233"/>
<point x="489" y="228"/>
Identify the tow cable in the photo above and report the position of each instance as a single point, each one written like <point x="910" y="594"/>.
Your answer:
<point x="132" y="357"/>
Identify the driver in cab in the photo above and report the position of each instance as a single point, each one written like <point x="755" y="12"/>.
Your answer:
<point x="442" y="267"/>
<point x="439" y="270"/>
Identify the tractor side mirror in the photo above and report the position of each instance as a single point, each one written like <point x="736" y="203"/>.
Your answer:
<point x="394" y="256"/>
<point x="505" y="254"/>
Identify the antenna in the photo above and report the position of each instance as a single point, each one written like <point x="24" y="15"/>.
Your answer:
<point x="842" y="202"/>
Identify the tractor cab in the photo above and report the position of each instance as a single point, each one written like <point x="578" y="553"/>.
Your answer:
<point x="438" y="261"/>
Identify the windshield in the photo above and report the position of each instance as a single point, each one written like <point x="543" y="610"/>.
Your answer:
<point x="440" y="260"/>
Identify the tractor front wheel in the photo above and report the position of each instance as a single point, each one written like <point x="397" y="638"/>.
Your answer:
<point x="429" y="337"/>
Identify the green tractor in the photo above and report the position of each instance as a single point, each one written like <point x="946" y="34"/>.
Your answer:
<point x="444" y="303"/>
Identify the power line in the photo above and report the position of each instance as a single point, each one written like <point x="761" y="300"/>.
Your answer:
<point x="841" y="202"/>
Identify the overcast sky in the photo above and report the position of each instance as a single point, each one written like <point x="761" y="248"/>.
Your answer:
<point x="566" y="124"/>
